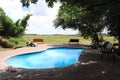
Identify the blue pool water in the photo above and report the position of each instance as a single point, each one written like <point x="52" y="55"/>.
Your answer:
<point x="50" y="58"/>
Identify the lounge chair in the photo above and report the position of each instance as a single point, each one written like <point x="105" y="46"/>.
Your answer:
<point x="38" y="40"/>
<point x="31" y="44"/>
<point x="74" y="41"/>
<point x="107" y="48"/>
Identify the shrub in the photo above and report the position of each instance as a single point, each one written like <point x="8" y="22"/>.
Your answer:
<point x="6" y="44"/>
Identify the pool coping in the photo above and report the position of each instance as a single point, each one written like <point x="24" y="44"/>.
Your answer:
<point x="4" y="55"/>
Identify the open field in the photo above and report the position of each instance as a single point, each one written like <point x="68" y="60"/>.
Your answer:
<point x="55" y="39"/>
<point x="64" y="39"/>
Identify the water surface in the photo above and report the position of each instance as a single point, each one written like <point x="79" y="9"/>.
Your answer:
<point x="50" y="58"/>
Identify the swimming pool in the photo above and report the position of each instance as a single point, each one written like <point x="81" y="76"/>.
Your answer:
<point x="50" y="58"/>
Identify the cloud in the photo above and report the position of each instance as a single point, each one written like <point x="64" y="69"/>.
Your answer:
<point x="12" y="8"/>
<point x="39" y="9"/>
<point x="42" y="20"/>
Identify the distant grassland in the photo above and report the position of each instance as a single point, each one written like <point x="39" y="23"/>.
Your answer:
<point x="54" y="39"/>
<point x="57" y="39"/>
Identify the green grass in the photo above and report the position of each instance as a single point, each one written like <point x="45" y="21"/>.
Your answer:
<point x="63" y="39"/>
<point x="56" y="39"/>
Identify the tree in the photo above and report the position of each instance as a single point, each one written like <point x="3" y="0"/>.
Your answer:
<point x="76" y="17"/>
<point x="113" y="16"/>
<point x="22" y="24"/>
<point x="28" y="2"/>
<point x="110" y="9"/>
<point x="10" y="29"/>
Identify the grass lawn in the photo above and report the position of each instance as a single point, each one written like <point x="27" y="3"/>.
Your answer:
<point x="64" y="39"/>
<point x="55" y="39"/>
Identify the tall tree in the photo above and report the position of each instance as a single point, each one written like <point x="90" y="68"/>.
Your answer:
<point x="22" y="24"/>
<point x="76" y="17"/>
<point x="113" y="16"/>
<point x="110" y="9"/>
<point x="10" y="29"/>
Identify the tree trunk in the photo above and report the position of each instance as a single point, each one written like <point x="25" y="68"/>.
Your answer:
<point x="119" y="45"/>
<point x="95" y="36"/>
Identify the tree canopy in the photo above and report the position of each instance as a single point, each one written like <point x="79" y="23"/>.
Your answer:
<point x="107" y="10"/>
<point x="76" y="17"/>
<point x="10" y="29"/>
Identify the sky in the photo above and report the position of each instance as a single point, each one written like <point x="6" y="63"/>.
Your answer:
<point x="41" y="22"/>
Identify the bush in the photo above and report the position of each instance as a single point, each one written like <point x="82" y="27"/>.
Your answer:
<point x="6" y="44"/>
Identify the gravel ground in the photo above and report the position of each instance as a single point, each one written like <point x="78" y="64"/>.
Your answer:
<point x="89" y="67"/>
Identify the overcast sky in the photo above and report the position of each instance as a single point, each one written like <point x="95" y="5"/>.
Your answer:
<point x="42" y="20"/>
